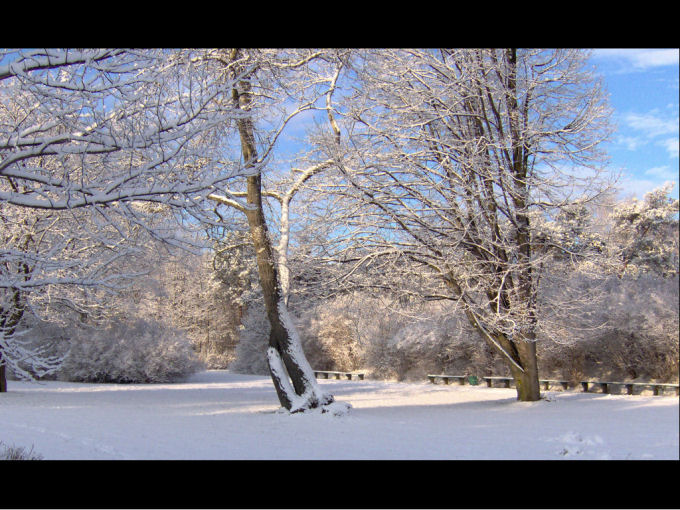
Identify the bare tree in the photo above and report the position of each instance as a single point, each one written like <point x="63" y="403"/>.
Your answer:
<point x="451" y="154"/>
<point x="104" y="144"/>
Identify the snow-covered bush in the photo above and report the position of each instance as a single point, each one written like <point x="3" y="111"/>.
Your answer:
<point x="141" y="351"/>
<point x="251" y="351"/>
<point x="628" y="331"/>
<point x="631" y="333"/>
<point x="326" y="336"/>
<point x="409" y="349"/>
<point x="329" y="337"/>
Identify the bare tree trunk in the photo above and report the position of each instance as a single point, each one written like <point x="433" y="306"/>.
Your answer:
<point x="523" y="362"/>
<point x="280" y="336"/>
<point x="8" y="324"/>
<point x="285" y="355"/>
<point x="3" y="377"/>
<point x="526" y="382"/>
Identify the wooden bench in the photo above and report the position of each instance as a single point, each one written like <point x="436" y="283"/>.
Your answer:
<point x="327" y="373"/>
<point x="460" y="378"/>
<point x="605" y="386"/>
<point x="505" y="380"/>
<point x="659" y="388"/>
<point x="548" y="382"/>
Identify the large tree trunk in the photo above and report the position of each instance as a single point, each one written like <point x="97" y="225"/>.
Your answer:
<point x="286" y="358"/>
<point x="526" y="382"/>
<point x="521" y="354"/>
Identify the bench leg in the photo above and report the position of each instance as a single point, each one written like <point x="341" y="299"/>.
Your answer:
<point x="585" y="386"/>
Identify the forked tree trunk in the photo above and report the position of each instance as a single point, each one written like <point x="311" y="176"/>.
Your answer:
<point x="291" y="374"/>
<point x="521" y="355"/>
<point x="285" y="356"/>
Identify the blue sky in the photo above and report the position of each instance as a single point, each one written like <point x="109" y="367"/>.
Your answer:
<point x="644" y="91"/>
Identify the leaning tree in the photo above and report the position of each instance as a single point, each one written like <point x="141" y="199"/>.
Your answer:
<point x="265" y="82"/>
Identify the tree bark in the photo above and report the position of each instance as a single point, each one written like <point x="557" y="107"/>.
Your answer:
<point x="521" y="352"/>
<point x="523" y="363"/>
<point x="526" y="382"/>
<point x="8" y="324"/>
<point x="3" y="377"/>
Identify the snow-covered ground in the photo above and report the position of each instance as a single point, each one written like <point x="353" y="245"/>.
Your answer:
<point x="219" y="415"/>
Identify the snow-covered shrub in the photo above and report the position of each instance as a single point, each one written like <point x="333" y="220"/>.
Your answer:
<point x="140" y="351"/>
<point x="631" y="333"/>
<point x="251" y="350"/>
<point x="329" y="338"/>
<point x="326" y="338"/>
<point x="405" y="349"/>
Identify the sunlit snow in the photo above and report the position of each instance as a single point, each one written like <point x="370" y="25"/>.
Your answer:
<point x="219" y="415"/>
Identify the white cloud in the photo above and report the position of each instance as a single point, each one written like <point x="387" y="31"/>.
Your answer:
<point x="662" y="172"/>
<point x="651" y="124"/>
<point x="640" y="59"/>
<point x="634" y="186"/>
<point x="671" y="146"/>
<point x="630" y="142"/>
